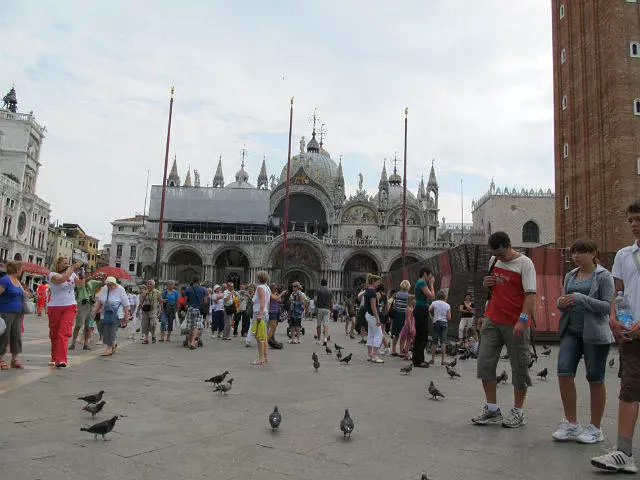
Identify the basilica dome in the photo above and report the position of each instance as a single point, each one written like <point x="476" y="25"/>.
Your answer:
<point x="242" y="179"/>
<point x="316" y="162"/>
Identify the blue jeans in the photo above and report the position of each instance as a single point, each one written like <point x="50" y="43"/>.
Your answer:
<point x="217" y="321"/>
<point x="573" y="348"/>
<point x="440" y="332"/>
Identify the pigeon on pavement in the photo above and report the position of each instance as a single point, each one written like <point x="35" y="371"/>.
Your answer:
<point x="275" y="418"/>
<point x="314" y="356"/>
<point x="503" y="377"/>
<point x="454" y="362"/>
<point x="346" y="424"/>
<point x="101" y="428"/>
<point x="407" y="369"/>
<point x="328" y="350"/>
<point x="339" y="354"/>
<point x="93" y="398"/>
<point x="316" y="364"/>
<point x="543" y="374"/>
<point x="218" y="379"/>
<point x="546" y="352"/>
<point x="223" y="388"/>
<point x="434" y="392"/>
<point x="545" y="347"/>
<point x="612" y="362"/>
<point x="424" y="477"/>
<point x="452" y="373"/>
<point x="363" y="341"/>
<point x="347" y="359"/>
<point x="94" y="408"/>
<point x="337" y="347"/>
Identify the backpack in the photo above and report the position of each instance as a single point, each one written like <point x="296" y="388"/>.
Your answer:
<point x="296" y="305"/>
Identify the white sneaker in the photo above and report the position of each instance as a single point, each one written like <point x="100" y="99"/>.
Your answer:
<point x="615" y="461"/>
<point x="566" y="432"/>
<point x="590" y="434"/>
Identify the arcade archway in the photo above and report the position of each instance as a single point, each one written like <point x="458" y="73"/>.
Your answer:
<point x="306" y="214"/>
<point x="356" y="269"/>
<point x="184" y="265"/>
<point x="231" y="265"/>
<point x="397" y="263"/>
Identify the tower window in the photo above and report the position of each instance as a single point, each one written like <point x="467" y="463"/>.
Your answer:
<point x="561" y="11"/>
<point x="566" y="202"/>
<point x="565" y="150"/>
<point x="563" y="55"/>
<point x="638" y="165"/>
<point x="636" y="106"/>
<point x="530" y="232"/>
<point x="634" y="49"/>
<point x="564" y="102"/>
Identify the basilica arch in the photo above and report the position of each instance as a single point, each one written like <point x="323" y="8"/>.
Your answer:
<point x="307" y="214"/>
<point x="231" y="264"/>
<point x="396" y="264"/>
<point x="304" y="259"/>
<point x="356" y="267"/>
<point x="184" y="263"/>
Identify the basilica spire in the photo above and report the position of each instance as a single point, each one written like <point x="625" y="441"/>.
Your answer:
<point x="432" y="176"/>
<point x="339" y="195"/>
<point x="263" y="179"/>
<point x="187" y="180"/>
<point x="218" y="178"/>
<point x="384" y="181"/>
<point x="174" y="178"/>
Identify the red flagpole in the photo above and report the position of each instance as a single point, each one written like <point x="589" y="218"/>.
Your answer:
<point x="286" y="201"/>
<point x="164" y="191"/>
<point x="404" y="195"/>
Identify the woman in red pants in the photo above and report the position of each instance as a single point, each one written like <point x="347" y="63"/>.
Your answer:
<point x="62" y="308"/>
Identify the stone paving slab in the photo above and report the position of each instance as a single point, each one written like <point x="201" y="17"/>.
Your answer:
<point x="174" y="427"/>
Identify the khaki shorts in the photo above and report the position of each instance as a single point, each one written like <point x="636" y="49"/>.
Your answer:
<point x="83" y="315"/>
<point x="259" y="330"/>
<point x="630" y="372"/>
<point x="493" y="338"/>
<point x="324" y="314"/>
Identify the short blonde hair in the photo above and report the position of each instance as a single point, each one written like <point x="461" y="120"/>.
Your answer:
<point x="372" y="278"/>
<point x="296" y="284"/>
<point x="13" y="267"/>
<point x="262" y="276"/>
<point x="59" y="260"/>
<point x="405" y="285"/>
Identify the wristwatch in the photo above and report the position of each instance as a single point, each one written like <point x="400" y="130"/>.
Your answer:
<point x="523" y="317"/>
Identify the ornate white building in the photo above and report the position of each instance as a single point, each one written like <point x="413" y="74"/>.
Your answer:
<point x="230" y="232"/>
<point x="24" y="215"/>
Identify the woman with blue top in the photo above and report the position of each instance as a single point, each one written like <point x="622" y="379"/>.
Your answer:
<point x="584" y="332"/>
<point x="11" y="311"/>
<point x="170" y="298"/>
<point x="372" y="315"/>
<point x="111" y="298"/>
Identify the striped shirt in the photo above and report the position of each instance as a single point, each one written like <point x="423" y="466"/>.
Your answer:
<point x="401" y="300"/>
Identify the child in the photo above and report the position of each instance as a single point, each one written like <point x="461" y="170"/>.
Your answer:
<point x="441" y="312"/>
<point x="298" y="302"/>
<point x="408" y="332"/>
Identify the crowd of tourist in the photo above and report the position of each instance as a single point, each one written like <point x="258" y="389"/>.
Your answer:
<point x="400" y="324"/>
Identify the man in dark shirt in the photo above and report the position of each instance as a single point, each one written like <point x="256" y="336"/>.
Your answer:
<point x="324" y="304"/>
<point x="196" y="300"/>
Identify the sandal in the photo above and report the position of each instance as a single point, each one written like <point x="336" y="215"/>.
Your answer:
<point x="3" y="365"/>
<point x="145" y="342"/>
<point x="192" y="347"/>
<point x="16" y="364"/>
<point x="256" y="362"/>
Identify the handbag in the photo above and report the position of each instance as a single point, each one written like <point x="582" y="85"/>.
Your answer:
<point x="28" y="308"/>
<point x="110" y="316"/>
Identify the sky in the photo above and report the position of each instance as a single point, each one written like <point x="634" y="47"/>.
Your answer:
<point x="475" y="76"/>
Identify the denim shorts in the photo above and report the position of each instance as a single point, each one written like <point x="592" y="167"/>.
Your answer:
<point x="573" y="348"/>
<point x="440" y="330"/>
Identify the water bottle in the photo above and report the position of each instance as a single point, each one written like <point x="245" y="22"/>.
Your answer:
<point x="623" y="312"/>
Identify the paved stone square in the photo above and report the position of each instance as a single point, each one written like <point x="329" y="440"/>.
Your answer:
<point x="173" y="427"/>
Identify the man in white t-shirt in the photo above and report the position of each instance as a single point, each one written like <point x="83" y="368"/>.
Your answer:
<point x="626" y="274"/>
<point x="441" y="312"/>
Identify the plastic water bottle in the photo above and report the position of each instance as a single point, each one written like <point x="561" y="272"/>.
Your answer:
<point x="623" y="312"/>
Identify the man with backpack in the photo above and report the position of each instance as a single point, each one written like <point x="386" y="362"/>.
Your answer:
<point x="196" y="300"/>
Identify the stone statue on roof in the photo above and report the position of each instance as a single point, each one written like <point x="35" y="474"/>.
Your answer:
<point x="360" y="182"/>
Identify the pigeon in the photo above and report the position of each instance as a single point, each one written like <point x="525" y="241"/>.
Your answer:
<point x="352" y="336"/>
<point x="101" y="428"/>
<point x="363" y="341"/>
<point x="434" y="392"/>
<point x="465" y="356"/>
<point x="93" y="398"/>
<point x="543" y="374"/>
<point x="545" y="347"/>
<point x="314" y="357"/>
<point x="275" y="418"/>
<point x="316" y="364"/>
<point x="503" y="377"/>
<point x="407" y="369"/>
<point x="531" y="362"/>
<point x="337" y="347"/>
<point x="452" y="373"/>
<point x="328" y="350"/>
<point x="94" y="408"/>
<point x="454" y="362"/>
<point x="346" y="424"/>
<point x="546" y="352"/>
<point x="223" y="388"/>
<point x="424" y="477"/>
<point x="505" y="356"/>
<point x="339" y="355"/>
<point x="612" y="362"/>
<point x="218" y="379"/>
<point x="347" y="359"/>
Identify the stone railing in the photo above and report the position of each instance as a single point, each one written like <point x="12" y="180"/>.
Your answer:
<point x="377" y="243"/>
<point x="21" y="117"/>
<point x="218" y="237"/>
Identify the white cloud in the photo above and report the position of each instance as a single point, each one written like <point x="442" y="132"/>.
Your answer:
<point x="476" y="76"/>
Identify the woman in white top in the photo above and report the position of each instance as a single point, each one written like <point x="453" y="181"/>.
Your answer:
<point x="112" y="298"/>
<point x="441" y="311"/>
<point x="133" y="305"/>
<point x="62" y="308"/>
<point x="260" y="314"/>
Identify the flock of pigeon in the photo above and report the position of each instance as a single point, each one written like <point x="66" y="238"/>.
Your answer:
<point x="94" y="405"/>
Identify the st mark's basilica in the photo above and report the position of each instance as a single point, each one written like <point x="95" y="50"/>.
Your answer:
<point x="229" y="232"/>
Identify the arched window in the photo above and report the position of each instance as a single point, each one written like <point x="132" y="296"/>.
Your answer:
<point x="530" y="232"/>
<point x="561" y="11"/>
<point x="563" y="55"/>
<point x="564" y="102"/>
<point x="636" y="106"/>
<point x="634" y="49"/>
